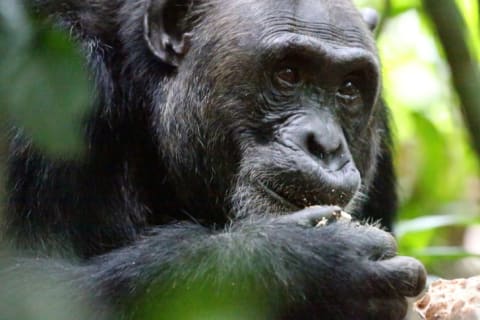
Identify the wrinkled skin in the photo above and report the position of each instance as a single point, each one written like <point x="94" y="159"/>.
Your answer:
<point x="223" y="132"/>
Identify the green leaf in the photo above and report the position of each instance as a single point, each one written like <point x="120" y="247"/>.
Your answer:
<point x="432" y="222"/>
<point x="46" y="91"/>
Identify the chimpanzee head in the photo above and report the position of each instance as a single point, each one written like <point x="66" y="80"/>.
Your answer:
<point x="272" y="105"/>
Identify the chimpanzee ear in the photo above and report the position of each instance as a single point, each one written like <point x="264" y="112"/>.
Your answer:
<point x="370" y="16"/>
<point x="165" y="30"/>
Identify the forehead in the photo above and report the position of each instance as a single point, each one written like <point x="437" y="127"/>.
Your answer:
<point x="312" y="11"/>
<point x="334" y="21"/>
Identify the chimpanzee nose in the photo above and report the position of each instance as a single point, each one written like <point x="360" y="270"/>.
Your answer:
<point x="323" y="140"/>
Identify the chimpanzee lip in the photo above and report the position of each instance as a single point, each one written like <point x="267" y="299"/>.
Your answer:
<point x="287" y="203"/>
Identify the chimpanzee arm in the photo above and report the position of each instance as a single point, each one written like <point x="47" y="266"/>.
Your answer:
<point x="342" y="270"/>
<point x="293" y="271"/>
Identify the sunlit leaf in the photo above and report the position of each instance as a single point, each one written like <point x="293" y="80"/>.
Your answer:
<point x="46" y="92"/>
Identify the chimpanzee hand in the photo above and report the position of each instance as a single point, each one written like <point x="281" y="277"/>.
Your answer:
<point x="349" y="270"/>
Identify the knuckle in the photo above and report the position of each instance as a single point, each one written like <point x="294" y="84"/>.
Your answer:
<point x="382" y="239"/>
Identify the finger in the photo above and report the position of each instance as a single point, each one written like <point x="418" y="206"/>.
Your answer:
<point x="387" y="308"/>
<point x="369" y="241"/>
<point x="404" y="276"/>
<point x="310" y="216"/>
<point x="382" y="244"/>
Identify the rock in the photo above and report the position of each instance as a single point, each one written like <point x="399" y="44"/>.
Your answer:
<point x="457" y="299"/>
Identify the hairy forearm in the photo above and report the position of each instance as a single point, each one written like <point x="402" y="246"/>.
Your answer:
<point x="272" y="266"/>
<point x="183" y="263"/>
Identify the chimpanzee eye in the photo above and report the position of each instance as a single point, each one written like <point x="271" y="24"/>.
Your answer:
<point x="348" y="93"/>
<point x="288" y="76"/>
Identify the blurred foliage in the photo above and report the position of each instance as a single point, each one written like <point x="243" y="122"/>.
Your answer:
<point x="200" y="299"/>
<point x="43" y="83"/>
<point x="437" y="168"/>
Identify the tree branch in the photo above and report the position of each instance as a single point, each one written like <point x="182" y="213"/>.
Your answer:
<point x="452" y="32"/>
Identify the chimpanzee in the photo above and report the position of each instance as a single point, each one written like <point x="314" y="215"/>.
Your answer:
<point x="222" y="132"/>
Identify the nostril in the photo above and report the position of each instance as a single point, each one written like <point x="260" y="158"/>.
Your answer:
<point x="323" y="150"/>
<point x="315" y="147"/>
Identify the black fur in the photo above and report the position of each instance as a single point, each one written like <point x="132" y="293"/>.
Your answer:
<point x="179" y="136"/>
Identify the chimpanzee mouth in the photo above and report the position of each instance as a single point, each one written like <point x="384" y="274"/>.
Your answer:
<point x="309" y="195"/>
<point x="274" y="195"/>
